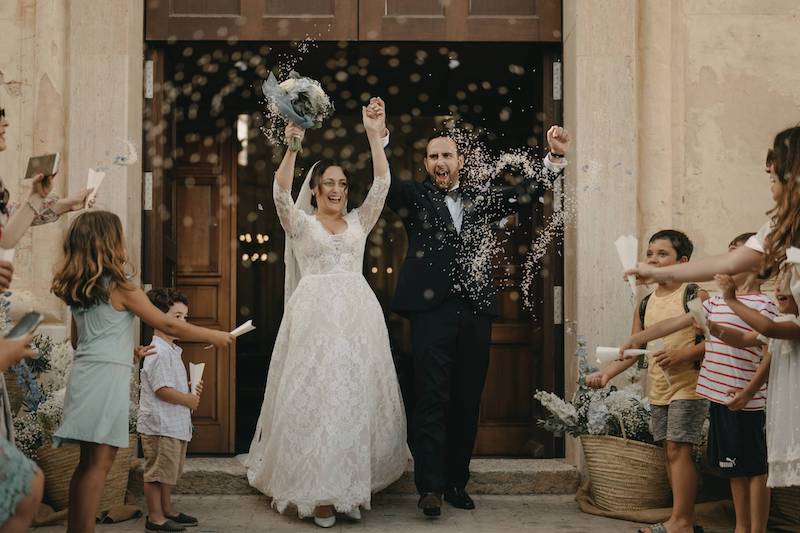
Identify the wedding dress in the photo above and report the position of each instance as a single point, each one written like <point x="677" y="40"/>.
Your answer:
<point x="332" y="428"/>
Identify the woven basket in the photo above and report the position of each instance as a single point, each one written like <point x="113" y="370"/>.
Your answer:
<point x="15" y="393"/>
<point x="58" y="464"/>
<point x="787" y="503"/>
<point x="625" y="475"/>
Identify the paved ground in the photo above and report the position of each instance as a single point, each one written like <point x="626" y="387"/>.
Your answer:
<point x="390" y="513"/>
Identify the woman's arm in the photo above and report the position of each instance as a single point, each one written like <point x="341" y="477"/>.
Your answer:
<point x="374" y="123"/>
<point x="285" y="173"/>
<point x="742" y="259"/>
<point x="137" y="302"/>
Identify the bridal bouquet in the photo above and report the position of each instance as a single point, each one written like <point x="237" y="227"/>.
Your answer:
<point x="297" y="99"/>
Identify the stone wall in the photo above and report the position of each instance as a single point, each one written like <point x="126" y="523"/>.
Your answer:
<point x="673" y="106"/>
<point x="71" y="81"/>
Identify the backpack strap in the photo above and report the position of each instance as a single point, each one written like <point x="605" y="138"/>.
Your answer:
<point x="689" y="294"/>
<point x="643" y="308"/>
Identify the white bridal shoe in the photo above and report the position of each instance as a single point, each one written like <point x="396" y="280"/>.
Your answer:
<point x="327" y="522"/>
<point x="354" y="515"/>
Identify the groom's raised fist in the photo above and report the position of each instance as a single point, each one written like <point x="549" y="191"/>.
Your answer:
<point x="558" y="140"/>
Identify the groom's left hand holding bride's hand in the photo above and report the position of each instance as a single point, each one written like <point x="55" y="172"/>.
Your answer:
<point x="374" y="118"/>
<point x="558" y="140"/>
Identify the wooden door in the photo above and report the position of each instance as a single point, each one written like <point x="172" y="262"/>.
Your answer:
<point x="252" y="20"/>
<point x="205" y="206"/>
<point x="460" y="20"/>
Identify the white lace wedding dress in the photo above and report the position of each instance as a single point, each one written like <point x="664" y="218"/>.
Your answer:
<point x="332" y="428"/>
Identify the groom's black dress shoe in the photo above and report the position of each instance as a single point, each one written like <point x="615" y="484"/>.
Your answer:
<point x="430" y="503"/>
<point x="458" y="498"/>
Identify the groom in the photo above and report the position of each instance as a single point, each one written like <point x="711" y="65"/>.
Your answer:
<point x="450" y="300"/>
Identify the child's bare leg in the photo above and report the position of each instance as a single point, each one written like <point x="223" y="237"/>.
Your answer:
<point x="20" y="521"/>
<point x="684" y="487"/>
<point x="86" y="486"/>
<point x="740" y="490"/>
<point x="153" y="491"/>
<point x="166" y="500"/>
<point x="759" y="504"/>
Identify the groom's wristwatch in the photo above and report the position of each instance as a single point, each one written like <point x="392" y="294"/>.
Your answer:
<point x="556" y="156"/>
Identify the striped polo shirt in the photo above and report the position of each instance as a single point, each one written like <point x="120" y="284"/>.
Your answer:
<point x="725" y="367"/>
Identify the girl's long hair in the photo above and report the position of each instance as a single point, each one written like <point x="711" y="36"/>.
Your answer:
<point x="95" y="260"/>
<point x="785" y="232"/>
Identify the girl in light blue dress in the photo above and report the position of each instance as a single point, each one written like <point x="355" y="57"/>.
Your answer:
<point x="94" y="281"/>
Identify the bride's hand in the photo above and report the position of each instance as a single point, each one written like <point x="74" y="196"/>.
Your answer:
<point x="374" y="117"/>
<point x="293" y="131"/>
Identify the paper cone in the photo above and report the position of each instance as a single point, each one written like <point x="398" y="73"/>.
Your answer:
<point x="605" y="354"/>
<point x="7" y="254"/>
<point x="93" y="182"/>
<point x="627" y="250"/>
<point x="196" y="374"/>
<point x="247" y="327"/>
<point x="698" y="313"/>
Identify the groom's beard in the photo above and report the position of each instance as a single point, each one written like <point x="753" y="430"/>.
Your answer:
<point x="445" y="182"/>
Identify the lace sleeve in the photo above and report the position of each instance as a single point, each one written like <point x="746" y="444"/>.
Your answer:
<point x="292" y="219"/>
<point x="371" y="209"/>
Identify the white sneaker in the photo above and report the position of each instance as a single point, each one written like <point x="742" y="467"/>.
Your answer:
<point x="325" y="522"/>
<point x="354" y="515"/>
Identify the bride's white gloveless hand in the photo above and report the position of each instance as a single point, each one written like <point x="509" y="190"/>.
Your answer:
<point x="374" y="117"/>
<point x="294" y="131"/>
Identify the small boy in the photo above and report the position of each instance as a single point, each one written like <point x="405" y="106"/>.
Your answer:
<point x="165" y="418"/>
<point x="677" y="411"/>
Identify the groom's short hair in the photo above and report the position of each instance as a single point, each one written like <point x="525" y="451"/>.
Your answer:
<point x="442" y="134"/>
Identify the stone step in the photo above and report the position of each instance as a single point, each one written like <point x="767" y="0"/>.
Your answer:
<point x="226" y="475"/>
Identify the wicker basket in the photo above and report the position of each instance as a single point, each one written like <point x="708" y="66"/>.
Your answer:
<point x="625" y="475"/>
<point x="787" y="503"/>
<point x="15" y="393"/>
<point x="58" y="465"/>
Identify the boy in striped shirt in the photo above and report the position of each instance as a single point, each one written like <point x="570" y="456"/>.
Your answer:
<point x="736" y="439"/>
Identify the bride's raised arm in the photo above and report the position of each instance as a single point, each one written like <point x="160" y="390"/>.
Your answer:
<point x="374" y="118"/>
<point x="290" y="216"/>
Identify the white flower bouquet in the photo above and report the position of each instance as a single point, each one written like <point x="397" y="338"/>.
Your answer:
<point x="297" y="99"/>
<point x="609" y="411"/>
<point x="44" y="383"/>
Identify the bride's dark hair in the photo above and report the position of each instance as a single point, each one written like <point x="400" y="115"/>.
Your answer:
<point x="319" y="170"/>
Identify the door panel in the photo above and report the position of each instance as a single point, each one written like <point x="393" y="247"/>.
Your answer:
<point x="204" y="184"/>
<point x="252" y="20"/>
<point x="460" y="20"/>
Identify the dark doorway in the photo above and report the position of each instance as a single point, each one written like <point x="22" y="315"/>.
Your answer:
<point x="500" y="90"/>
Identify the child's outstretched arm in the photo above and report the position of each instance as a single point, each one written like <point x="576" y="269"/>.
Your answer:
<point x="657" y="331"/>
<point x="599" y="379"/>
<point x="137" y="302"/>
<point x="762" y="324"/>
<point x="734" y="337"/>
<point x="742" y="397"/>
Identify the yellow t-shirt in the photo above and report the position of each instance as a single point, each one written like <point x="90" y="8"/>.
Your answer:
<point x="682" y="377"/>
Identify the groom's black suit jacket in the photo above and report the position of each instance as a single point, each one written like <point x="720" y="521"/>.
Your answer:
<point x="441" y="262"/>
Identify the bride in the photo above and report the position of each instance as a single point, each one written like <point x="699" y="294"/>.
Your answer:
<point x="332" y="428"/>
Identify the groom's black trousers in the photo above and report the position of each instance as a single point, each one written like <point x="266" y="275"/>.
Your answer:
<point x="450" y="345"/>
